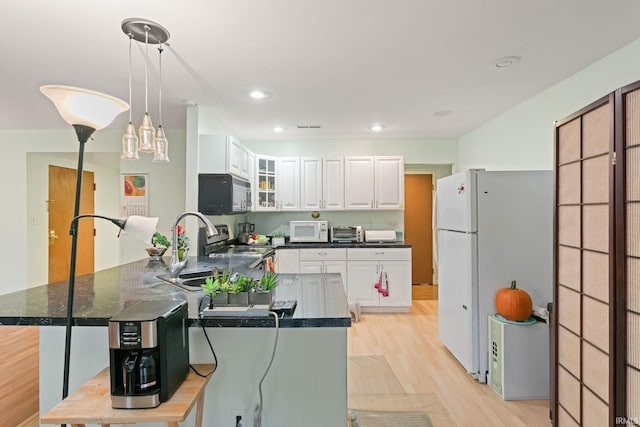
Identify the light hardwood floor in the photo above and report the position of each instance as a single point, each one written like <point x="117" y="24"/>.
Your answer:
<point x="410" y="344"/>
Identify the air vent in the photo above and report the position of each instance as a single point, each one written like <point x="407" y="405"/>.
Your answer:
<point x="308" y="126"/>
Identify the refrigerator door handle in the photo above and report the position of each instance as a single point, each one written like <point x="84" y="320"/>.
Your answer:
<point x="434" y="227"/>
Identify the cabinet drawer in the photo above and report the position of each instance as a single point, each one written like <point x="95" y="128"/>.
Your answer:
<point x="387" y="254"/>
<point x="333" y="254"/>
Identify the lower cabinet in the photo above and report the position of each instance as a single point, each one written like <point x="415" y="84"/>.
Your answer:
<point x="332" y="260"/>
<point x="389" y="267"/>
<point x="288" y="261"/>
<point x="361" y="269"/>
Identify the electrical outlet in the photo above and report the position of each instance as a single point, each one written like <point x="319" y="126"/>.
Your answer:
<point x="242" y="413"/>
<point x="392" y="223"/>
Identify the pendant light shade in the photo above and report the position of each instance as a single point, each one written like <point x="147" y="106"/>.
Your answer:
<point x="130" y="144"/>
<point x="161" y="153"/>
<point x="147" y="32"/>
<point x="147" y="135"/>
<point x="84" y="107"/>
<point x="130" y="139"/>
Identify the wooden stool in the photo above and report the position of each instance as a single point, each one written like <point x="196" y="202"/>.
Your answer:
<point x="91" y="404"/>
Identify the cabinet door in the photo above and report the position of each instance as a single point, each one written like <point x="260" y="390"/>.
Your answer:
<point x="399" y="283"/>
<point x="333" y="183"/>
<point x="237" y="158"/>
<point x="361" y="277"/>
<point x="311" y="267"/>
<point x="337" y="267"/>
<point x="265" y="183"/>
<point x="311" y="179"/>
<point x="359" y="184"/>
<point x="389" y="182"/>
<point x="288" y="183"/>
<point x="209" y="158"/>
<point x="288" y="261"/>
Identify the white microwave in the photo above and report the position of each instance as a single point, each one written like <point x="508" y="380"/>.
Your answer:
<point x="308" y="231"/>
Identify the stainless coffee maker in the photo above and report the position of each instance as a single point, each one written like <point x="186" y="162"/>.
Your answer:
<point x="245" y="229"/>
<point x="148" y="353"/>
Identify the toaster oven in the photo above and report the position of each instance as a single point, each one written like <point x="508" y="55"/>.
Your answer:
<point x="347" y="234"/>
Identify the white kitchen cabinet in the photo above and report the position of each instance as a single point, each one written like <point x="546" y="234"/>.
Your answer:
<point x="324" y="260"/>
<point x="374" y="182"/>
<point x="364" y="267"/>
<point x="265" y="183"/>
<point x="277" y="183"/>
<point x="322" y="183"/>
<point x="288" y="184"/>
<point x="288" y="261"/>
<point x="223" y="154"/>
<point x="389" y="182"/>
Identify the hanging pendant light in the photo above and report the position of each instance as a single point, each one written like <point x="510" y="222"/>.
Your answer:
<point x="129" y="139"/>
<point x="161" y="152"/>
<point x="146" y="130"/>
<point x="147" y="32"/>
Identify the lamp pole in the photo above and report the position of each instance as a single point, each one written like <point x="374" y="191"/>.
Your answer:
<point x="83" y="133"/>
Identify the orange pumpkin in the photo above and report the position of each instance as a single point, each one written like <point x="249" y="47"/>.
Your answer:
<point x="514" y="304"/>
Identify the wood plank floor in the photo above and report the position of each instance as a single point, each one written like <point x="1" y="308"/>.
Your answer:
<point x="409" y="342"/>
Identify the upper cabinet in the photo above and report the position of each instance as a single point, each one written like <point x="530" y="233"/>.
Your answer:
<point x="374" y="182"/>
<point x="277" y="183"/>
<point x="223" y="154"/>
<point x="322" y="183"/>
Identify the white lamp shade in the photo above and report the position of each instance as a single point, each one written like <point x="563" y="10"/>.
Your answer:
<point x="84" y="107"/>
<point x="140" y="227"/>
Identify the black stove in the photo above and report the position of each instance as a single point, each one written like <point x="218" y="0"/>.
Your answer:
<point x="222" y="246"/>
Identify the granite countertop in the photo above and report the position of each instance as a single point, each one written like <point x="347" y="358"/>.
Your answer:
<point x="103" y="294"/>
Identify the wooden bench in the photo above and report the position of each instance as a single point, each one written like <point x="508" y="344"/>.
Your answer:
<point x="91" y="404"/>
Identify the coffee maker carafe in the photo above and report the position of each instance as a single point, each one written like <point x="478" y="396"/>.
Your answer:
<point x="244" y="231"/>
<point x="148" y="353"/>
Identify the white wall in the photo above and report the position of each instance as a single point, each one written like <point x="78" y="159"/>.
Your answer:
<point x="522" y="137"/>
<point x="23" y="257"/>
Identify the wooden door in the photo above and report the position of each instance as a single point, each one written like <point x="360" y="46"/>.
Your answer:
<point x="62" y="187"/>
<point x="417" y="226"/>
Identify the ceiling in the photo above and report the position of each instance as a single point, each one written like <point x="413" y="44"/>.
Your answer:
<point x="339" y="64"/>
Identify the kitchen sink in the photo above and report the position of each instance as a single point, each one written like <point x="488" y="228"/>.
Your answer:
<point x="189" y="280"/>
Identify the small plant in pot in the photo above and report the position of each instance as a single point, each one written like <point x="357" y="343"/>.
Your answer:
<point x="263" y="290"/>
<point x="159" y="243"/>
<point x="212" y="287"/>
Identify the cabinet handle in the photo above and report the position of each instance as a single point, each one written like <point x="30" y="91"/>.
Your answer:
<point x="320" y="204"/>
<point x="371" y="203"/>
<point x="379" y="253"/>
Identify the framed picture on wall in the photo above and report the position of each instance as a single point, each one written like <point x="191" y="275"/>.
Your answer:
<point x="134" y="196"/>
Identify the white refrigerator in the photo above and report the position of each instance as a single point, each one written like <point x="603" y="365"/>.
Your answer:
<point x="492" y="227"/>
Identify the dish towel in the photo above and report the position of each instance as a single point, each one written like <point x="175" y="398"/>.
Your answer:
<point x="382" y="285"/>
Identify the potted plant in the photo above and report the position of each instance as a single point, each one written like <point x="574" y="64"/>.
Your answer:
<point x="212" y="288"/>
<point x="277" y="238"/>
<point x="159" y="243"/>
<point x="262" y="293"/>
<point x="183" y="244"/>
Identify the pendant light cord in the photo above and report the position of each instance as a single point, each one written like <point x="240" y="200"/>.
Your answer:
<point x="160" y="50"/>
<point x="146" y="69"/>
<point x="130" y="96"/>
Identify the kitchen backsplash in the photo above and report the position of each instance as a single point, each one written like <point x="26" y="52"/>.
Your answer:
<point x="269" y="222"/>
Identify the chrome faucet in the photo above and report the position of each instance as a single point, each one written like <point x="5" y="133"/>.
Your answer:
<point x="176" y="265"/>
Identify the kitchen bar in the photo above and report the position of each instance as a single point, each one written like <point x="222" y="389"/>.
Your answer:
<point x="306" y="385"/>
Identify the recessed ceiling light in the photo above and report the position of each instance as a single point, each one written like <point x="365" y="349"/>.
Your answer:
<point x="443" y="113"/>
<point x="376" y="127"/>
<point x="505" y="62"/>
<point x="278" y="129"/>
<point x="258" y="94"/>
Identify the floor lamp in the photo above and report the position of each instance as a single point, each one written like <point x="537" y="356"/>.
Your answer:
<point x="87" y="111"/>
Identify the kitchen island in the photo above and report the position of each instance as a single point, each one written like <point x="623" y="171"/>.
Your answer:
<point x="306" y="385"/>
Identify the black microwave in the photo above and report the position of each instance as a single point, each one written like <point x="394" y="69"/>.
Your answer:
<point x="223" y="194"/>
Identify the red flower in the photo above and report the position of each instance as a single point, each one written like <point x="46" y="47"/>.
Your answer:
<point x="180" y="230"/>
